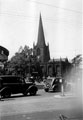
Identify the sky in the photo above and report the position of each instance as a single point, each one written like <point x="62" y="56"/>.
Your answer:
<point x="62" y="24"/>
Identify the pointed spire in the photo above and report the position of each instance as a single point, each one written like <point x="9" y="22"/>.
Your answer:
<point x="41" y="38"/>
<point x="33" y="44"/>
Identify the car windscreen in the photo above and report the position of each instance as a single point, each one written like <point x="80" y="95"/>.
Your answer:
<point x="48" y="81"/>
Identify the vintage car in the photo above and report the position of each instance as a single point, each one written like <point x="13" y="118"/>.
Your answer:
<point x="52" y="84"/>
<point x="15" y="84"/>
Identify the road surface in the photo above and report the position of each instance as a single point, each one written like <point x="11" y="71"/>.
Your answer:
<point x="43" y="106"/>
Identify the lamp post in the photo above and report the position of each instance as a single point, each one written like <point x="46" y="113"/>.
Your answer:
<point x="61" y="80"/>
<point x="29" y="65"/>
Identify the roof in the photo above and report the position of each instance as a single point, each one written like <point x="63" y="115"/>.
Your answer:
<point x="41" y="38"/>
<point x="58" y="60"/>
<point x="6" y="52"/>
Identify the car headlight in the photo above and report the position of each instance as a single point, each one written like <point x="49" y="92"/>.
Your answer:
<point x="47" y="85"/>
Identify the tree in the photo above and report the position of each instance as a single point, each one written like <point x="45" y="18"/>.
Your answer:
<point x="19" y="64"/>
<point x="23" y="63"/>
<point x="77" y="60"/>
<point x="76" y="70"/>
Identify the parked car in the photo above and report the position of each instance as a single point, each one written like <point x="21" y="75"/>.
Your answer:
<point x="15" y="84"/>
<point x="52" y="84"/>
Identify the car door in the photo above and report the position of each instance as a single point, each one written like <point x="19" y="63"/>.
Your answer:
<point x="16" y="85"/>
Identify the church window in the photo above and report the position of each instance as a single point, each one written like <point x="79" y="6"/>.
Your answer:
<point x="38" y="51"/>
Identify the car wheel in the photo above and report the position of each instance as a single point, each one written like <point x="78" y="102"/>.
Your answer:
<point x="25" y="93"/>
<point x="6" y="94"/>
<point x="33" y="93"/>
<point x="46" y="89"/>
<point x="54" y="89"/>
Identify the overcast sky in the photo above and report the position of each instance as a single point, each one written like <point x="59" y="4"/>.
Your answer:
<point x="62" y="23"/>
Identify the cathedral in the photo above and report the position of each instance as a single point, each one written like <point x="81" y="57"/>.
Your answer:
<point x="55" y="67"/>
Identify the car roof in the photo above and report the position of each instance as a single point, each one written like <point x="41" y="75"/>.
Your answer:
<point x="5" y="76"/>
<point x="53" y="78"/>
<point x="50" y="77"/>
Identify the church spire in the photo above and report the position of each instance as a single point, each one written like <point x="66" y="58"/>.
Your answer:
<point x="41" y="38"/>
<point x="41" y="50"/>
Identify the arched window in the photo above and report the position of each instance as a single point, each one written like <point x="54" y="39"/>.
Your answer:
<point x="38" y="51"/>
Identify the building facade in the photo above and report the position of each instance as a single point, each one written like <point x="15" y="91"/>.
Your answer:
<point x="3" y="57"/>
<point x="58" y="67"/>
<point x="49" y="67"/>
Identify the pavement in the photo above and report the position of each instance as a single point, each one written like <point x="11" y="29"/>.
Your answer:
<point x="46" y="115"/>
<point x="43" y="106"/>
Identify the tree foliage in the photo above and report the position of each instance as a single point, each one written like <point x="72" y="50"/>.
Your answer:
<point x="23" y="63"/>
<point x="77" y="67"/>
<point x="77" y="60"/>
<point x="19" y="63"/>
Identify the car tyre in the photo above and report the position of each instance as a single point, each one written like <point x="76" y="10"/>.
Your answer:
<point x="6" y="94"/>
<point x="32" y="92"/>
<point x="46" y="89"/>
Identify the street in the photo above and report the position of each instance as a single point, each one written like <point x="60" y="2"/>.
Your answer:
<point x="43" y="106"/>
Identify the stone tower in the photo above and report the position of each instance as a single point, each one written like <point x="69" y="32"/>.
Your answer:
<point x="41" y="50"/>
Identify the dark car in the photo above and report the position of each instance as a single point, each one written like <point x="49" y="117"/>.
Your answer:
<point x="15" y="84"/>
<point x="52" y="84"/>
